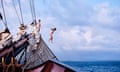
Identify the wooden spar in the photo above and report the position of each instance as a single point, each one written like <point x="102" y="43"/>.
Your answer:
<point x="8" y="50"/>
<point x="16" y="46"/>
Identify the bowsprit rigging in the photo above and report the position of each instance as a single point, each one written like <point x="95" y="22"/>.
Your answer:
<point x="21" y="11"/>
<point x="32" y="8"/>
<point x="16" y="12"/>
<point x="20" y="18"/>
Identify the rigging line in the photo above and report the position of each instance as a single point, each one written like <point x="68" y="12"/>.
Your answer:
<point x="34" y="9"/>
<point x="16" y="11"/>
<point x="31" y="2"/>
<point x="2" y="19"/>
<point x="31" y="10"/>
<point x="5" y="22"/>
<point x="21" y="11"/>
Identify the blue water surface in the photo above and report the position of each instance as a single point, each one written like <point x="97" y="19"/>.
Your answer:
<point x="95" y="66"/>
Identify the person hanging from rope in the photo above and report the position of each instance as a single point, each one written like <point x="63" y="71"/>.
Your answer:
<point x="35" y="29"/>
<point x="5" y="39"/>
<point x="51" y="34"/>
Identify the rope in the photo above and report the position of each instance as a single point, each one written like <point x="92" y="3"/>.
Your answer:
<point x="31" y="10"/>
<point x="20" y="11"/>
<point x="32" y="7"/>
<point x="16" y="11"/>
<point x="5" y="22"/>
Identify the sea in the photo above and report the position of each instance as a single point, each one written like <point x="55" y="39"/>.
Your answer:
<point x="94" y="66"/>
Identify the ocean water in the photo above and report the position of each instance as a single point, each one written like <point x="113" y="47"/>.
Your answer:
<point x="94" y="66"/>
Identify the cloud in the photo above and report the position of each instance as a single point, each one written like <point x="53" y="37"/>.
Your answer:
<point x="105" y="15"/>
<point x="74" y="34"/>
<point x="88" y="35"/>
<point x="80" y="27"/>
<point x="87" y="39"/>
<point x="76" y="38"/>
<point x="102" y="14"/>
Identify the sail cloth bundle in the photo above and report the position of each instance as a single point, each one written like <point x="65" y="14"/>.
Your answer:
<point x="5" y="39"/>
<point x="21" y="34"/>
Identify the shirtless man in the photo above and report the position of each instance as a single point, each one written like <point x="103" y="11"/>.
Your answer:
<point x="51" y="34"/>
<point x="35" y="29"/>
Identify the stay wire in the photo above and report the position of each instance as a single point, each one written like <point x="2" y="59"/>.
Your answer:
<point x="21" y="11"/>
<point x="32" y="7"/>
<point x="5" y="22"/>
<point x="30" y="3"/>
<point x="16" y="11"/>
<point x="33" y="3"/>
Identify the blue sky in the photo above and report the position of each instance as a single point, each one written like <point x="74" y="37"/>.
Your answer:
<point x="87" y="30"/>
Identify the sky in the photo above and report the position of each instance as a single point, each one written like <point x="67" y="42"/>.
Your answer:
<point x="87" y="30"/>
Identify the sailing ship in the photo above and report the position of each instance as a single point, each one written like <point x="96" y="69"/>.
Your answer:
<point x="15" y="58"/>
